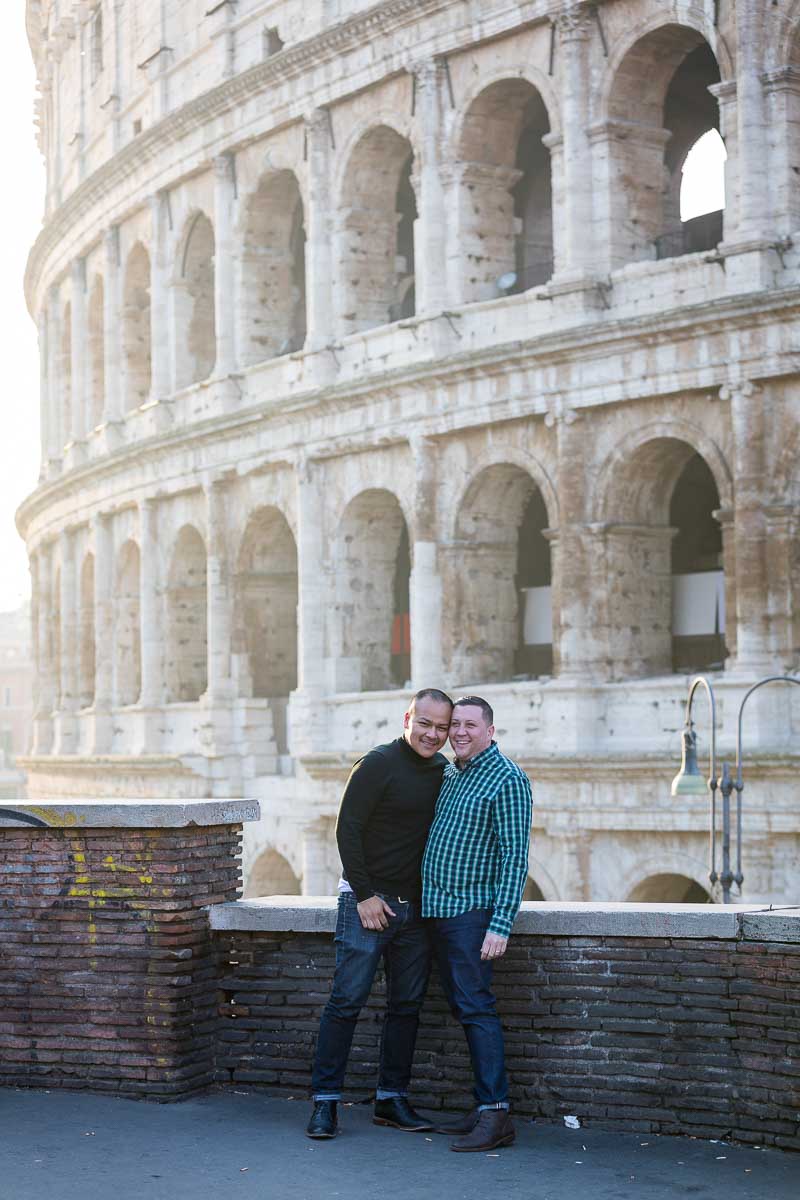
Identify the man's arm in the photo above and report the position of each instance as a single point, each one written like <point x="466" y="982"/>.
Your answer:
<point x="361" y="794"/>
<point x="512" y="813"/>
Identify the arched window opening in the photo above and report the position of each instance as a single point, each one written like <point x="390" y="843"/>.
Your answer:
<point x="187" y="640"/>
<point x="195" y="321"/>
<point x="698" y="578"/>
<point x="669" y="889"/>
<point x="406" y="208"/>
<point x="703" y="178"/>
<point x="136" y="354"/>
<point x="532" y="890"/>
<point x="273" y="270"/>
<point x="533" y="201"/>
<point x="372" y="581"/>
<point x="271" y="875"/>
<point x="659" y="106"/>
<point x="266" y="593"/>
<point x="97" y="372"/>
<point x="376" y="237"/>
<point x="504" y="215"/>
<point x="86" y="646"/>
<point x="127" y="628"/>
<point x="535" y="647"/>
<point x="66" y="374"/>
<point x="494" y="576"/>
<point x="401" y="621"/>
<point x="690" y="112"/>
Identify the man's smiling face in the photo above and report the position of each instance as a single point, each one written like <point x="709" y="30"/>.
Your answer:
<point x="426" y="725"/>
<point x="470" y="732"/>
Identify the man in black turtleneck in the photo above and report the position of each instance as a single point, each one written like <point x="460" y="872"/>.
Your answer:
<point x="385" y="814"/>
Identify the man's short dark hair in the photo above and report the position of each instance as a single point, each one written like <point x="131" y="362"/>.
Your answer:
<point x="431" y="694"/>
<point x="477" y="702"/>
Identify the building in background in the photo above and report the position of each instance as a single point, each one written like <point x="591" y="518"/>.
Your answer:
<point x="376" y="353"/>
<point x="16" y="699"/>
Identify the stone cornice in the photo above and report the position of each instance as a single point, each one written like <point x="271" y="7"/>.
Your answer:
<point x="571" y="344"/>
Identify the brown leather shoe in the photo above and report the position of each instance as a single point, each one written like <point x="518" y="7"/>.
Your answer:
<point x="463" y="1124"/>
<point x="494" y="1127"/>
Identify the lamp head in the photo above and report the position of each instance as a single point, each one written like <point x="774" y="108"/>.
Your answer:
<point x="689" y="781"/>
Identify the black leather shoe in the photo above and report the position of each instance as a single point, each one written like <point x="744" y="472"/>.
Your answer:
<point x="398" y="1113"/>
<point x="493" y="1128"/>
<point x="323" y="1120"/>
<point x="463" y="1124"/>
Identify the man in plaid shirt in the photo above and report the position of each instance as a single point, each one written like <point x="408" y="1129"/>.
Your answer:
<point x="473" y="875"/>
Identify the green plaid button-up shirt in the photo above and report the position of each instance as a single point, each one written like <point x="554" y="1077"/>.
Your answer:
<point x="477" y="851"/>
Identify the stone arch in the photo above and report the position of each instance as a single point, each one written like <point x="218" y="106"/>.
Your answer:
<point x="187" y="618"/>
<point x="86" y="644"/>
<point x="265" y="588"/>
<point x="193" y="301"/>
<point x="96" y="347"/>
<point x="272" y="269"/>
<point x="669" y="888"/>
<point x="271" y="875"/>
<point x="504" y="211"/>
<point x="377" y="213"/>
<point x="65" y="373"/>
<point x="653" y="603"/>
<point x="136" y="349"/>
<point x="532" y="890"/>
<point x="369" y="620"/>
<point x="665" y="864"/>
<point x="541" y="879"/>
<point x="493" y="604"/>
<point x="127" y="626"/>
<point x="663" y="77"/>
<point x="612" y="488"/>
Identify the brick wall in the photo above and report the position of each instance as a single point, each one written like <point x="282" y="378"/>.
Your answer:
<point x="658" y="1034"/>
<point x="107" y="976"/>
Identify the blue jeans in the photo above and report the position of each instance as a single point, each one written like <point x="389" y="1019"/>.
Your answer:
<point x="467" y="984"/>
<point x="405" y="949"/>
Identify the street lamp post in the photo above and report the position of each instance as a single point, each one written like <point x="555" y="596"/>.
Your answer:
<point x="689" y="782"/>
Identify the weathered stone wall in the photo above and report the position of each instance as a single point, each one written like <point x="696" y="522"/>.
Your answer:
<point x="107" y="970"/>
<point x="664" y="1021"/>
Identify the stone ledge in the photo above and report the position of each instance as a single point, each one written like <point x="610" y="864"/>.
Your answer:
<point x="126" y="814"/>
<point x="317" y="914"/>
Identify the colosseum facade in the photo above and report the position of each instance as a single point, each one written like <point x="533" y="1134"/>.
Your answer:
<point x="375" y="354"/>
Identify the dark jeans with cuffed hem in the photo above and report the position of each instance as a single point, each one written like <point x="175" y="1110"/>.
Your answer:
<point x="467" y="984"/>
<point x="406" y="952"/>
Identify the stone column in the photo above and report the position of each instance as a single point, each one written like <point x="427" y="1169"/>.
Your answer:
<point x="754" y="216"/>
<point x="431" y="226"/>
<point x="224" y="292"/>
<point x="725" y="518"/>
<point x="319" y="273"/>
<point x="78" y="345"/>
<point x="44" y="395"/>
<point x="219" y="596"/>
<point x="782" y="99"/>
<point x="103" y="631"/>
<point x="752" y="626"/>
<point x="426" y="584"/>
<point x="162" y="367"/>
<point x="315" y="860"/>
<point x="66" y="720"/>
<point x="56" y="436"/>
<point x="112" y="328"/>
<point x="306" y="713"/>
<point x="783" y="612"/>
<point x="575" y="216"/>
<point x="42" y="581"/>
<point x="577" y="650"/>
<point x="150" y="611"/>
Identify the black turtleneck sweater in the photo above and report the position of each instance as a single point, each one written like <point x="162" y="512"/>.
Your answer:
<point x="384" y="817"/>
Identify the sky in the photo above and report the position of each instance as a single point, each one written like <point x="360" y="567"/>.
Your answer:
<point x="21" y="207"/>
